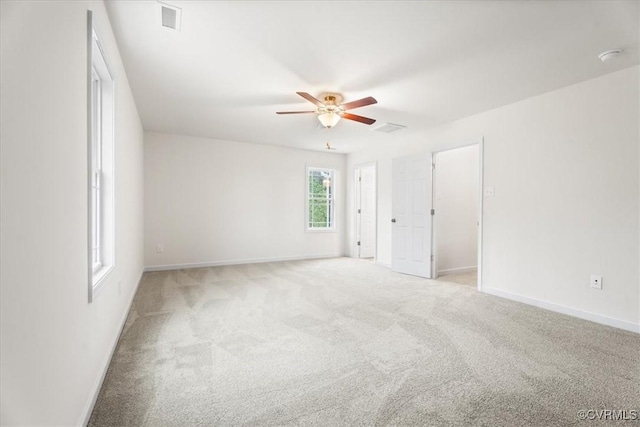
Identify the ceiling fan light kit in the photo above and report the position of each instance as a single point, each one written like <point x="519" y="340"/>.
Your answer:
<point x="331" y="109"/>
<point x="329" y="120"/>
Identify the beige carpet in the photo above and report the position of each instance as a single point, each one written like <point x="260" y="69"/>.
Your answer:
<point x="343" y="342"/>
<point x="469" y="279"/>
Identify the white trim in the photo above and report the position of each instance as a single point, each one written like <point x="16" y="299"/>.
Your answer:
<point x="480" y="143"/>
<point x="480" y="210"/>
<point x="89" y="155"/>
<point x="459" y="270"/>
<point x="452" y="146"/>
<point x="432" y="219"/>
<point x="356" y="190"/>
<point x="99" y="279"/>
<point x="165" y="267"/>
<point x="97" y="386"/>
<point x="593" y="317"/>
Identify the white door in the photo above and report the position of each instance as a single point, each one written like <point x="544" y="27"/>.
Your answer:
<point x="366" y="211"/>
<point x="411" y="216"/>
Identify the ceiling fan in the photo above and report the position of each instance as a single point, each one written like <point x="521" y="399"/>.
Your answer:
<point x="331" y="109"/>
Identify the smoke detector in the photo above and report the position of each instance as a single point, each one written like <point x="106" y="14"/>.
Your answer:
<point x="610" y="54"/>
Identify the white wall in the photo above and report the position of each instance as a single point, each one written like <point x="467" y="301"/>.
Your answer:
<point x="564" y="166"/>
<point x="456" y="181"/>
<point x="54" y="345"/>
<point x="213" y="202"/>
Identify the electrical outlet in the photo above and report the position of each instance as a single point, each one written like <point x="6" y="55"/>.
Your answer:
<point x="159" y="248"/>
<point x="596" y="281"/>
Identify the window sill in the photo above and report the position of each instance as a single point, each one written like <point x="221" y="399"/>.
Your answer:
<point x="321" y="230"/>
<point x="99" y="279"/>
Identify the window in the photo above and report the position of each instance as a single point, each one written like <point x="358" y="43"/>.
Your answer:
<point x="320" y="199"/>
<point x="96" y="171"/>
<point x="101" y="179"/>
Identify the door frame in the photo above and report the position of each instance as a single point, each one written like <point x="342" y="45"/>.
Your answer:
<point x="480" y="143"/>
<point x="356" y="222"/>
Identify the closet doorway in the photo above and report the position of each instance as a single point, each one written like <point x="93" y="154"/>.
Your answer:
<point x="457" y="220"/>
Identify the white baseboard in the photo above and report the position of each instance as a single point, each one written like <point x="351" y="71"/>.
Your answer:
<point x="93" y="397"/>
<point x="459" y="270"/>
<point x="236" y="262"/>
<point x="604" y="320"/>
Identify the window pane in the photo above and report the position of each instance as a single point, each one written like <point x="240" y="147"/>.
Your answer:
<point x="101" y="162"/>
<point x="315" y="183"/>
<point x="320" y="198"/>
<point x="320" y="213"/>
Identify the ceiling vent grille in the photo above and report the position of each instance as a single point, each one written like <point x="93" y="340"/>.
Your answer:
<point x="170" y="16"/>
<point x="389" y="128"/>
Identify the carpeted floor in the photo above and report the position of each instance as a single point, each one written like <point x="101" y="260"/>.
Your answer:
<point x="469" y="279"/>
<point x="343" y="342"/>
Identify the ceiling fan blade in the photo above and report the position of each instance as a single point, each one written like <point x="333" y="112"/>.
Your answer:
<point x="365" y="120"/>
<point x="311" y="99"/>
<point x="359" y="103"/>
<point x="294" y="112"/>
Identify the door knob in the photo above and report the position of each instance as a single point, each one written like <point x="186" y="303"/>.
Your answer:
<point x="393" y="220"/>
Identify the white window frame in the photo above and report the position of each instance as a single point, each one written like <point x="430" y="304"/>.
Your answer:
<point x="96" y="166"/>
<point x="331" y="196"/>
<point x="100" y="157"/>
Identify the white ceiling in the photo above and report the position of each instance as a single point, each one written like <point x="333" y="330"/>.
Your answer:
<point x="235" y="63"/>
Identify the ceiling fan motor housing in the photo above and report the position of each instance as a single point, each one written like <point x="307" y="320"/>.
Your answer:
<point x="332" y="103"/>
<point x="331" y="98"/>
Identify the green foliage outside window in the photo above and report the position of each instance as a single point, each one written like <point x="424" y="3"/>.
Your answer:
<point x="320" y="198"/>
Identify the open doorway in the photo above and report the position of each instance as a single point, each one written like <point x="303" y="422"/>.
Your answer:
<point x="365" y="211"/>
<point x="456" y="223"/>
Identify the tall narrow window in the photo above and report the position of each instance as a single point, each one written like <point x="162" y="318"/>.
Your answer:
<point x="96" y="171"/>
<point x="101" y="159"/>
<point x="320" y="199"/>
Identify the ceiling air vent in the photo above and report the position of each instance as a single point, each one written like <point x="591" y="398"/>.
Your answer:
<point x="389" y="128"/>
<point x="170" y="16"/>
